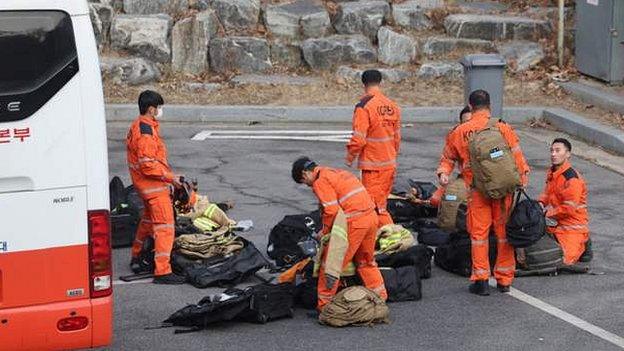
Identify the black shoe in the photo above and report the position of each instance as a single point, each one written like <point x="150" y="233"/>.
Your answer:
<point x="503" y="288"/>
<point x="480" y="287"/>
<point x="138" y="267"/>
<point x="588" y="255"/>
<point x="170" y="279"/>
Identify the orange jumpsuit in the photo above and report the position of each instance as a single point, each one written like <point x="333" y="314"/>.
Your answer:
<point x="483" y="212"/>
<point x="339" y="189"/>
<point x="152" y="178"/>
<point x="375" y="142"/>
<point x="565" y="200"/>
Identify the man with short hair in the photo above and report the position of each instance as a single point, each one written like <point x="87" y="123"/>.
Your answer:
<point x="484" y="212"/>
<point x="338" y="190"/>
<point x="447" y="165"/>
<point x="152" y="178"/>
<point x="375" y="142"/>
<point x="565" y="204"/>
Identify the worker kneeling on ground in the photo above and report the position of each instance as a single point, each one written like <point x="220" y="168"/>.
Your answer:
<point x="494" y="145"/>
<point x="565" y="204"/>
<point x="375" y="142"/>
<point x="340" y="191"/>
<point x="152" y="177"/>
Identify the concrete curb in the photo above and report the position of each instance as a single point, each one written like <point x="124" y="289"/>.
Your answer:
<point x="593" y="132"/>
<point x="301" y="114"/>
<point x="595" y="96"/>
<point x="568" y="122"/>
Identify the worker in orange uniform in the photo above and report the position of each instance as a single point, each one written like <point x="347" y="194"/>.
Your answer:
<point x="152" y="178"/>
<point x="483" y="212"/>
<point x="565" y="203"/>
<point x="446" y="166"/>
<point x="375" y="142"/>
<point x="338" y="189"/>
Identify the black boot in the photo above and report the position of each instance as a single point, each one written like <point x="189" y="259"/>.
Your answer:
<point x="503" y="288"/>
<point x="139" y="267"/>
<point x="588" y="255"/>
<point x="169" y="279"/>
<point x="480" y="287"/>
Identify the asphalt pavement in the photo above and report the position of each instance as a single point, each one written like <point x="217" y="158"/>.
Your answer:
<point x="255" y="174"/>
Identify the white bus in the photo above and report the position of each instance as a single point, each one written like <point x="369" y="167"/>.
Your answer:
<point x="55" y="253"/>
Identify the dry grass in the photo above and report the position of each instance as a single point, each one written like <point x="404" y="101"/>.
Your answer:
<point x="519" y="90"/>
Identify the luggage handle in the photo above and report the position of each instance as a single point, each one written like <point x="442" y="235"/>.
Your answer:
<point x="518" y="194"/>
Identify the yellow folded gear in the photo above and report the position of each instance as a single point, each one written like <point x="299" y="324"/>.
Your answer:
<point x="213" y="220"/>
<point x="393" y="238"/>
<point x="338" y="243"/>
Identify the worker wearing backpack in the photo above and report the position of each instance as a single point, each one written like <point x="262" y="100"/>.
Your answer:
<point x="339" y="190"/>
<point x="375" y="142"/>
<point x="565" y="203"/>
<point x="492" y="164"/>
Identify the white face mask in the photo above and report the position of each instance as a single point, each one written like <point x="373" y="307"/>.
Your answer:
<point x="159" y="113"/>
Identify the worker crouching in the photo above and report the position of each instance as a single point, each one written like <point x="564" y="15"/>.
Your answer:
<point x="343" y="197"/>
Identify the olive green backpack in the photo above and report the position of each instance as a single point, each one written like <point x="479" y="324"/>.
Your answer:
<point x="455" y="195"/>
<point x="493" y="165"/>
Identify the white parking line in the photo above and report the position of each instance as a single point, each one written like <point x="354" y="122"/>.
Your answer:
<point x="142" y="281"/>
<point x="339" y="136"/>
<point x="565" y="316"/>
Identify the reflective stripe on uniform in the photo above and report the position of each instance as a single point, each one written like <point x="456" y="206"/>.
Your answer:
<point x="357" y="213"/>
<point x="502" y="241"/>
<point x="138" y="241"/>
<point x="161" y="226"/>
<point x="359" y="134"/>
<point x="479" y="242"/>
<point x="480" y="271"/>
<point x="154" y="190"/>
<point x="504" y="269"/>
<point x="380" y="140"/>
<point x="574" y="204"/>
<point x="516" y="149"/>
<point x="366" y="264"/>
<point x="330" y="203"/>
<point x="162" y="254"/>
<point x="351" y="193"/>
<point x="382" y="163"/>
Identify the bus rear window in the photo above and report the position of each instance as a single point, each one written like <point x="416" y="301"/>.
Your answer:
<point x="37" y="58"/>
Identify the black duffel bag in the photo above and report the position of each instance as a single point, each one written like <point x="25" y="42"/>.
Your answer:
<point x="526" y="224"/>
<point x="289" y="237"/>
<point x="456" y="256"/>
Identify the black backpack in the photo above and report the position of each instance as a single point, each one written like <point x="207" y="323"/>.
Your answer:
<point x="116" y="191"/>
<point x="527" y="223"/>
<point x="260" y="303"/>
<point x="544" y="257"/>
<point x="456" y="257"/>
<point x="289" y="235"/>
<point x="220" y="271"/>
<point x="124" y="217"/>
